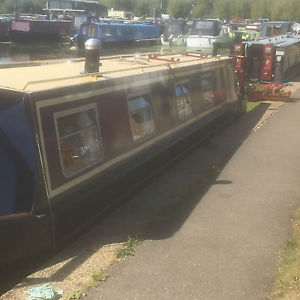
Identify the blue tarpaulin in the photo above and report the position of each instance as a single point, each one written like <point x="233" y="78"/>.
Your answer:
<point x="43" y="292"/>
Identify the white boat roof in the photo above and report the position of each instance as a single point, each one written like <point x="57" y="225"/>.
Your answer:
<point x="279" y="41"/>
<point x="44" y="75"/>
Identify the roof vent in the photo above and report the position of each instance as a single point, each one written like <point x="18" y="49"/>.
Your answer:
<point x="92" y="56"/>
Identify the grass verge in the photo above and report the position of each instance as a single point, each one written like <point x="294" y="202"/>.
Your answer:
<point x="287" y="285"/>
<point x="95" y="279"/>
<point x="128" y="248"/>
<point x="125" y="249"/>
<point x="252" y="105"/>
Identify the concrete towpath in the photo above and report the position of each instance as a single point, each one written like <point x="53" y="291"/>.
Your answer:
<point x="219" y="241"/>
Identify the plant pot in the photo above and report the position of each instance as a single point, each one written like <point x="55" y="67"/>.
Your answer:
<point x="256" y="96"/>
<point x="276" y="97"/>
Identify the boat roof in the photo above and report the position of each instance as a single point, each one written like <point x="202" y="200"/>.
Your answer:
<point x="277" y="22"/>
<point x="279" y="41"/>
<point x="122" y="24"/>
<point x="44" y="75"/>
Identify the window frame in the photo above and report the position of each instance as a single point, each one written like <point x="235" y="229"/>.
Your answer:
<point x="131" y="96"/>
<point x="183" y="96"/>
<point x="68" y="112"/>
<point x="221" y="85"/>
<point x="213" y="81"/>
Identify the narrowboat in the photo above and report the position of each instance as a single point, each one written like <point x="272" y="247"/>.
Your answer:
<point x="39" y="30"/>
<point x="118" y="33"/>
<point x="75" y="138"/>
<point x="275" y="28"/>
<point x="275" y="59"/>
<point x="205" y="33"/>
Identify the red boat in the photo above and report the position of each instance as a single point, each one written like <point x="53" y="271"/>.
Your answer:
<point x="39" y="30"/>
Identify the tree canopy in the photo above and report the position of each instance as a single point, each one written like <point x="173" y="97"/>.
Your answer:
<point x="271" y="9"/>
<point x="25" y="6"/>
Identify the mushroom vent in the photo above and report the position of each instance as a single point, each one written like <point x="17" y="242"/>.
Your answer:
<point x="92" y="56"/>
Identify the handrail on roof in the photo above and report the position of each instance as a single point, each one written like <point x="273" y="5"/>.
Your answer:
<point x="36" y="63"/>
<point x="100" y="74"/>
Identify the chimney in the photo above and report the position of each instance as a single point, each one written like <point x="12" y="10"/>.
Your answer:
<point x="92" y="56"/>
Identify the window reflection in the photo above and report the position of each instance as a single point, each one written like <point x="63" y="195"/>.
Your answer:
<point x="89" y="30"/>
<point x="183" y="100"/>
<point x="79" y="139"/>
<point x="141" y="118"/>
<point x="208" y="90"/>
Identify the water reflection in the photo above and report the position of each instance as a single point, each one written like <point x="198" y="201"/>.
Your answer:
<point x="25" y="52"/>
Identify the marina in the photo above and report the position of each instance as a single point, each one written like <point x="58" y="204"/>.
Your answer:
<point x="96" y="102"/>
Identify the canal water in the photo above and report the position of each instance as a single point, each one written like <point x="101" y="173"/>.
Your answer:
<point x="10" y="53"/>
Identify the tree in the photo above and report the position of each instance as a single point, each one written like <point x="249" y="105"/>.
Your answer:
<point x="261" y="9"/>
<point x="25" y="6"/>
<point x="203" y="9"/>
<point x="179" y="9"/>
<point x="240" y="9"/>
<point x="222" y="9"/>
<point x="127" y="5"/>
<point x="142" y="8"/>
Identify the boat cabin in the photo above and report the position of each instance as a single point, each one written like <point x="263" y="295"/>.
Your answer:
<point x="205" y="33"/>
<point x="66" y="134"/>
<point x="275" y="28"/>
<point x="117" y="32"/>
<point x="275" y="59"/>
<point x="206" y="28"/>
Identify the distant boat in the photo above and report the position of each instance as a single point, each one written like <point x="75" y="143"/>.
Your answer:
<point x="204" y="34"/>
<point x="116" y="33"/>
<point x="5" y="24"/>
<point x="39" y="30"/>
<point x="275" y="28"/>
<point x="175" y="33"/>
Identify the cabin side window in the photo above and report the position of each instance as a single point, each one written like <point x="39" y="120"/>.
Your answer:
<point x="207" y="87"/>
<point x="221" y="93"/>
<point x="129" y="32"/>
<point x="119" y="32"/>
<point x="141" y="117"/>
<point x="231" y="81"/>
<point x="78" y="138"/>
<point x="89" y="30"/>
<point x="183" y="100"/>
<point x="107" y="31"/>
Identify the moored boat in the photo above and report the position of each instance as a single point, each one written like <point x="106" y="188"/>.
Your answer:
<point x="175" y="33"/>
<point x="39" y="30"/>
<point x="204" y="33"/>
<point x="118" y="33"/>
<point x="5" y="25"/>
<point x="90" y="130"/>
<point x="274" y="59"/>
<point x="275" y="28"/>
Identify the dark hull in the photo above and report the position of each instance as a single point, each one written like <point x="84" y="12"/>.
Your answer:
<point x="25" y="236"/>
<point x="4" y="38"/>
<point x="4" y="31"/>
<point x="116" y="185"/>
<point x="28" y="236"/>
<point x="33" y="37"/>
<point x="65" y="194"/>
<point x="285" y="59"/>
